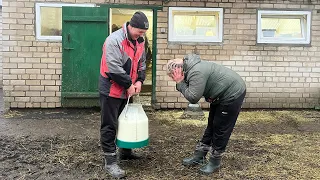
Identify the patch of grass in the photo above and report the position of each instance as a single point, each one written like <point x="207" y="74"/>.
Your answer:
<point x="11" y="114"/>
<point x="258" y="116"/>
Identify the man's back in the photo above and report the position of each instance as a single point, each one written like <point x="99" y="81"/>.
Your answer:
<point x="220" y="81"/>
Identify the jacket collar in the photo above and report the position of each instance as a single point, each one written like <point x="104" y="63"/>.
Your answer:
<point x="127" y="34"/>
<point x="189" y="61"/>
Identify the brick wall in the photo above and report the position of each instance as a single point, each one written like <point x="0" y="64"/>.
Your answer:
<point x="276" y="76"/>
<point x="31" y="69"/>
<point x="1" y="73"/>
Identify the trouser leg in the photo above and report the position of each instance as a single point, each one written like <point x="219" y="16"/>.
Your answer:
<point x="110" y="111"/>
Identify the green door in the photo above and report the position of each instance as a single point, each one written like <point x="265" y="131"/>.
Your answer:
<point x="84" y="30"/>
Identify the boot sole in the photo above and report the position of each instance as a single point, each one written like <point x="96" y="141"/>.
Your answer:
<point x="115" y="177"/>
<point x="208" y="174"/>
<point x="193" y="163"/>
<point x="121" y="177"/>
<point x="118" y="177"/>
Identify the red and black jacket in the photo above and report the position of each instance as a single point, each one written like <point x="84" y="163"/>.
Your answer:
<point x="122" y="64"/>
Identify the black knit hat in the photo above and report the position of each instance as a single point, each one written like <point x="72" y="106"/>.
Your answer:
<point x="139" y="20"/>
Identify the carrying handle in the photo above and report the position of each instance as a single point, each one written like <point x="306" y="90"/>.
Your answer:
<point x="139" y="99"/>
<point x="126" y="110"/>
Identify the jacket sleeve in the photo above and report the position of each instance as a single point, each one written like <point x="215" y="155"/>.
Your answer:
<point x="194" y="89"/>
<point x="115" y="64"/>
<point x="142" y="68"/>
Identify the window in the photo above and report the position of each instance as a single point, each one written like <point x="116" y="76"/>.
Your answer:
<point x="284" y="27"/>
<point x="49" y="20"/>
<point x="195" y="24"/>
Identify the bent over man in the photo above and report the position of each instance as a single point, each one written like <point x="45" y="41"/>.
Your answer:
<point x="224" y="89"/>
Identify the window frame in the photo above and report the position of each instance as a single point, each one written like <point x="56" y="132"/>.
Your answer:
<point x="217" y="39"/>
<point x="305" y="27"/>
<point x="38" y="6"/>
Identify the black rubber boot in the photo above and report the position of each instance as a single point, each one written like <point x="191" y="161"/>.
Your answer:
<point x="213" y="164"/>
<point x="112" y="167"/>
<point x="127" y="154"/>
<point x="199" y="155"/>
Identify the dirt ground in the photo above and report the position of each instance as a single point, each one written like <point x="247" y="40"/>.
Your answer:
<point x="64" y="144"/>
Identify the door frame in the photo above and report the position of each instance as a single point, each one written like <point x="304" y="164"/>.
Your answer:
<point x="154" y="38"/>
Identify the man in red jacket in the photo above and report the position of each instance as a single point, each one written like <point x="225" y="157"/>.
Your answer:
<point x="122" y="73"/>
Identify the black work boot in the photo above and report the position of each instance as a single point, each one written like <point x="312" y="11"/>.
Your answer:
<point x="199" y="155"/>
<point x="112" y="167"/>
<point x="127" y="154"/>
<point x="213" y="164"/>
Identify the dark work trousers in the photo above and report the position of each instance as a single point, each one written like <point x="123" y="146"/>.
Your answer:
<point x="111" y="109"/>
<point x="221" y="121"/>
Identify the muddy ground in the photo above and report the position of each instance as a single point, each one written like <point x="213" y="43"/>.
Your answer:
<point x="64" y="144"/>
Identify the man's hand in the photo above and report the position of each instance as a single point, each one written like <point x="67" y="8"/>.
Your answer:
<point x="131" y="90"/>
<point x="137" y="86"/>
<point x="178" y="75"/>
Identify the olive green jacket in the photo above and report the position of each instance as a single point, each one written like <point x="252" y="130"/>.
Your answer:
<point x="218" y="84"/>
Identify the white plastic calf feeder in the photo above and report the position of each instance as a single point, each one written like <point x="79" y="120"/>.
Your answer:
<point x="133" y="129"/>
